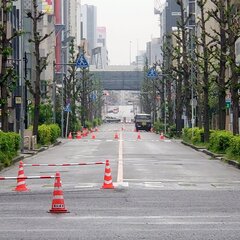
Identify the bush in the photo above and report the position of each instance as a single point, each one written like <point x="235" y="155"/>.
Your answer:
<point x="44" y="134"/>
<point x="197" y="135"/>
<point x="172" y="131"/>
<point x="9" y="145"/>
<point x="220" y="141"/>
<point x="193" y="135"/>
<point x="158" y="127"/>
<point x="55" y="132"/>
<point x="97" y="122"/>
<point x="234" y="148"/>
<point x="88" y="124"/>
<point x="48" y="134"/>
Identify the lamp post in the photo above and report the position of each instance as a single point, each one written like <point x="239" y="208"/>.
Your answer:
<point x="191" y="29"/>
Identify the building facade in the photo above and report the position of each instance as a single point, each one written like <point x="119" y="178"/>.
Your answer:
<point x="89" y="27"/>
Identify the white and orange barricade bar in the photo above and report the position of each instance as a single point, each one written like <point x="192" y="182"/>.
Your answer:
<point x="62" y="164"/>
<point x="27" y="177"/>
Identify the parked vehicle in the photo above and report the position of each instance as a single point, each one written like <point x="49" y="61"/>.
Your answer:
<point x="143" y="121"/>
<point x="111" y="120"/>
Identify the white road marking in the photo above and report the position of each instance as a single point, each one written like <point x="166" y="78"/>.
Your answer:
<point x="120" y="160"/>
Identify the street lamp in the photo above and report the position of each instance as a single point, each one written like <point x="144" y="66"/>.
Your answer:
<point x="191" y="29"/>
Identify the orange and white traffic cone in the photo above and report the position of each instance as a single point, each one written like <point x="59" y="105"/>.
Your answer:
<point x="58" y="205"/>
<point x="139" y="136"/>
<point x="108" y="184"/>
<point x="21" y="185"/>
<point x="78" y="135"/>
<point x="93" y="135"/>
<point x="161" y="136"/>
<point x="116" y="136"/>
<point x="70" y="136"/>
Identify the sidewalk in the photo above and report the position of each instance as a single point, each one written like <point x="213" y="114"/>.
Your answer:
<point x="214" y="155"/>
<point x="30" y="153"/>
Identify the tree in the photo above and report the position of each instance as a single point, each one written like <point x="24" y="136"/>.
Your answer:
<point x="233" y="32"/>
<point x="8" y="74"/>
<point x="177" y="68"/>
<point x="147" y="92"/>
<point x="220" y="53"/>
<point x="184" y="67"/>
<point x="41" y="62"/>
<point x="204" y="65"/>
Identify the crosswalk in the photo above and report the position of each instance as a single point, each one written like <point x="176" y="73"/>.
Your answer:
<point x="124" y="140"/>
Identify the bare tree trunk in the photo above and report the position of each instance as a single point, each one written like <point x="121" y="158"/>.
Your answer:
<point x="234" y="90"/>
<point x="3" y="80"/>
<point x="233" y="32"/>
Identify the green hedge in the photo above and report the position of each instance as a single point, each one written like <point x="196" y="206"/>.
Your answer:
<point x="193" y="135"/>
<point x="234" y="148"/>
<point x="9" y="145"/>
<point x="219" y="141"/>
<point x="158" y="126"/>
<point x="48" y="134"/>
<point x="97" y="122"/>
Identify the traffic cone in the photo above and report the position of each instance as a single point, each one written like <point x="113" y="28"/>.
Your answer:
<point x="116" y="136"/>
<point x="107" y="177"/>
<point x="21" y="185"/>
<point x="58" y="205"/>
<point x="78" y="135"/>
<point x="161" y="136"/>
<point x="70" y="136"/>
<point x="93" y="135"/>
<point x="139" y="136"/>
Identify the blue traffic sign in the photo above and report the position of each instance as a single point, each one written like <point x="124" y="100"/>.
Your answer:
<point x="152" y="73"/>
<point x="67" y="108"/>
<point x="82" y="62"/>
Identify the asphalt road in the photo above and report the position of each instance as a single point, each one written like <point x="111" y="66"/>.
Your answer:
<point x="163" y="190"/>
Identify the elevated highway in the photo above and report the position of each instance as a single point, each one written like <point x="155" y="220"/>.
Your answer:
<point x="120" y="77"/>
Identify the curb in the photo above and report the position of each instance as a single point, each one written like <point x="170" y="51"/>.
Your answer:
<point x="30" y="154"/>
<point x="214" y="155"/>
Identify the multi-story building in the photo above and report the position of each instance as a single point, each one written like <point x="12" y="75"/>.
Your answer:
<point x="140" y="59"/>
<point x="154" y="51"/>
<point x="100" y="53"/>
<point x="89" y="27"/>
<point x="13" y="24"/>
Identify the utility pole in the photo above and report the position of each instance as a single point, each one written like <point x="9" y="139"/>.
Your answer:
<point x="54" y="94"/>
<point x="22" y="111"/>
<point x="26" y="98"/>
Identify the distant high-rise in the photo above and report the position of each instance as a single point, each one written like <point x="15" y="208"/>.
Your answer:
<point x="170" y="16"/>
<point x="89" y="25"/>
<point x="101" y="57"/>
<point x="154" y="52"/>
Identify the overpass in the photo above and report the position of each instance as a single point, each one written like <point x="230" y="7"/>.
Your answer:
<point x="119" y="77"/>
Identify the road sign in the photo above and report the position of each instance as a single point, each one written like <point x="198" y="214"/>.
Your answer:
<point x="82" y="62"/>
<point x="67" y="108"/>
<point x="152" y="73"/>
<point x="228" y="103"/>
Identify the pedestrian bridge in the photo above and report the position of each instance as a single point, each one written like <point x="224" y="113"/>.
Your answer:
<point x="120" y="77"/>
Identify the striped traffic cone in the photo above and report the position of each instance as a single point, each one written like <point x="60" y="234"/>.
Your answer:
<point x="21" y="185"/>
<point x="138" y="136"/>
<point x="161" y="136"/>
<point x="116" y="136"/>
<point x="58" y="205"/>
<point x="78" y="135"/>
<point x="93" y="135"/>
<point x="70" y="136"/>
<point x="107" y="184"/>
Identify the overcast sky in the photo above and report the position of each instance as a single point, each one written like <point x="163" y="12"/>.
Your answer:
<point x="126" y="21"/>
